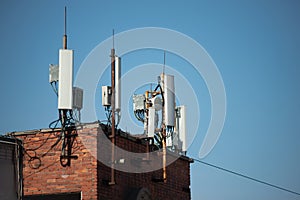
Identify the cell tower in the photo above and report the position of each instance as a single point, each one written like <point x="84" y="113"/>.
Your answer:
<point x="170" y="133"/>
<point x="69" y="98"/>
<point x="111" y="100"/>
<point x="151" y="105"/>
<point x="147" y="107"/>
<point x="111" y="95"/>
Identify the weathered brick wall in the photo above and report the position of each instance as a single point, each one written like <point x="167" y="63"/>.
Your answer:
<point x="90" y="176"/>
<point x="177" y="185"/>
<point x="43" y="173"/>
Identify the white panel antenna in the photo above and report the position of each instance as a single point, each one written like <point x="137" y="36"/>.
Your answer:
<point x="169" y="100"/>
<point x="77" y="98"/>
<point x="181" y="120"/>
<point x="151" y="122"/>
<point x="117" y="83"/>
<point x="169" y="139"/>
<point x="65" y="88"/>
<point x="156" y="103"/>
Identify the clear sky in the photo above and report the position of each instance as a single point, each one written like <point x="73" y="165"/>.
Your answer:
<point x="255" y="45"/>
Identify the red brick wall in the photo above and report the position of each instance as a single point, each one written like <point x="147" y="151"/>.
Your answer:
<point x="90" y="176"/>
<point x="177" y="185"/>
<point x="50" y="177"/>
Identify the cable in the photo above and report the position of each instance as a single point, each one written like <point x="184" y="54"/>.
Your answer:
<point x="37" y="158"/>
<point x="247" y="177"/>
<point x="67" y="119"/>
<point x="54" y="87"/>
<point x="54" y="122"/>
<point x="108" y="113"/>
<point x="118" y="118"/>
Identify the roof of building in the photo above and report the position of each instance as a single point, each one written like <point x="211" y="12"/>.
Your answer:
<point x="133" y="137"/>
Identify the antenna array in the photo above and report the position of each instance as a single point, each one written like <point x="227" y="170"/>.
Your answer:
<point x="69" y="98"/>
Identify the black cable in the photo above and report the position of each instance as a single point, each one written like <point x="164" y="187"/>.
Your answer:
<point x="108" y="115"/>
<point x="54" y="122"/>
<point x="156" y="87"/>
<point x="136" y="115"/>
<point x="54" y="87"/>
<point x="35" y="157"/>
<point x="247" y="177"/>
<point x="162" y="95"/>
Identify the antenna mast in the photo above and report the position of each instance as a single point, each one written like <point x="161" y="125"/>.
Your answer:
<point x="111" y="100"/>
<point x="164" y="126"/>
<point x="113" y="122"/>
<point x="65" y="30"/>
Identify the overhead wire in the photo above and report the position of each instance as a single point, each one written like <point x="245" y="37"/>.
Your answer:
<point x="247" y="177"/>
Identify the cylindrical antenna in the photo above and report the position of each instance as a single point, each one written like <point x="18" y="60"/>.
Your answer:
<point x="65" y="30"/>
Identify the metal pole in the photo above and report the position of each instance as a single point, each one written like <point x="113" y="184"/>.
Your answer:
<point x="164" y="157"/>
<point x="65" y="30"/>
<point x="112" y="179"/>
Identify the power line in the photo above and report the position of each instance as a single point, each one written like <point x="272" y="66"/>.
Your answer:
<point x="247" y="177"/>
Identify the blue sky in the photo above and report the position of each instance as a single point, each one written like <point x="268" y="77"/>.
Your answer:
<point x="255" y="44"/>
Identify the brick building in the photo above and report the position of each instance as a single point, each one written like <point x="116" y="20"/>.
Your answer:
<point x="10" y="168"/>
<point x="86" y="173"/>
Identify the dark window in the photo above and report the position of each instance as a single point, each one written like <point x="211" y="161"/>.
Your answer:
<point x="60" y="196"/>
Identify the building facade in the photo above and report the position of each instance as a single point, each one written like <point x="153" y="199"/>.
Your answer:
<point x="86" y="172"/>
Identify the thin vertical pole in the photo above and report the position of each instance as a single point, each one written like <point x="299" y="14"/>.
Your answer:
<point x="164" y="157"/>
<point x="113" y="125"/>
<point x="65" y="30"/>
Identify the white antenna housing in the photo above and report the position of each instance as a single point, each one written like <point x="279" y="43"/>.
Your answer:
<point x="181" y="123"/>
<point x="106" y="95"/>
<point x="156" y="103"/>
<point x="151" y="122"/>
<point x="138" y="102"/>
<point x="65" y="88"/>
<point x="169" y="139"/>
<point x="117" y="83"/>
<point x="169" y="99"/>
<point x="77" y="98"/>
<point x="53" y="73"/>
